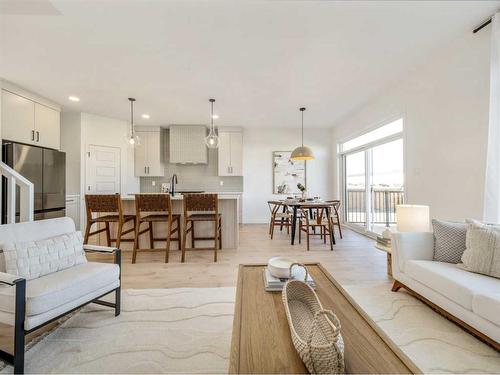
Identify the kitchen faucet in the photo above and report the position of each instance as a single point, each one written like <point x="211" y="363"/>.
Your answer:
<point x="173" y="183"/>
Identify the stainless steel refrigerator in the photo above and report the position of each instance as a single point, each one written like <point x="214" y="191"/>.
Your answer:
<point x="46" y="169"/>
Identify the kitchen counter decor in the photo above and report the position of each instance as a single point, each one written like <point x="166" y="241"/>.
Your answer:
<point x="315" y="331"/>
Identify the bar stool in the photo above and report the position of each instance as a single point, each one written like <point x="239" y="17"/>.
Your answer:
<point x="110" y="204"/>
<point x="152" y="204"/>
<point x="202" y="208"/>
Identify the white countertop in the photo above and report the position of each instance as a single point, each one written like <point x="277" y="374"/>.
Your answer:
<point x="178" y="197"/>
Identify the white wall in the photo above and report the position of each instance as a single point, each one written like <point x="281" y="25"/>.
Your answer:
<point x="445" y="107"/>
<point x="259" y="144"/>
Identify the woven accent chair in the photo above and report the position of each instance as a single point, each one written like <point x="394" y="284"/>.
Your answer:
<point x="158" y="209"/>
<point x="111" y="206"/>
<point x="201" y="208"/>
<point x="280" y="216"/>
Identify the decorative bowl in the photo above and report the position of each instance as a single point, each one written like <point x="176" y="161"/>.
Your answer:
<point x="280" y="267"/>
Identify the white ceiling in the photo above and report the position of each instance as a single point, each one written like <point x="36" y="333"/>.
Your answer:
<point x="260" y="60"/>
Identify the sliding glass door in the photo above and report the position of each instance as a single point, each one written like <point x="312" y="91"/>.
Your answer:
<point x="372" y="168"/>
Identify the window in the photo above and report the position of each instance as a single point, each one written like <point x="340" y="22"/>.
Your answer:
<point x="372" y="168"/>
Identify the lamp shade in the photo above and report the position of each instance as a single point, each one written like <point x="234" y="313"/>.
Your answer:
<point x="302" y="153"/>
<point x="412" y="218"/>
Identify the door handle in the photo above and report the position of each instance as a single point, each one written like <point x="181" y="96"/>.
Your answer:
<point x="32" y="135"/>
<point x="38" y="136"/>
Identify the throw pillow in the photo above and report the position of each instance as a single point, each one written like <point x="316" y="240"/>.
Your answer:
<point x="33" y="259"/>
<point x="483" y="249"/>
<point x="449" y="241"/>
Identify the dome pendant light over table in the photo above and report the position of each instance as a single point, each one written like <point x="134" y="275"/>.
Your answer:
<point x="212" y="140"/>
<point x="132" y="138"/>
<point x="302" y="152"/>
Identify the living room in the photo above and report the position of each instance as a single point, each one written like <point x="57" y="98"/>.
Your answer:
<point x="160" y="157"/>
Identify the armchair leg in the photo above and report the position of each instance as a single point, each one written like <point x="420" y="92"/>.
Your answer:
<point x="19" y="327"/>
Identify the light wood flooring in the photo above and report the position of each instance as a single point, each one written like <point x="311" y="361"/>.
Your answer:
<point x="354" y="260"/>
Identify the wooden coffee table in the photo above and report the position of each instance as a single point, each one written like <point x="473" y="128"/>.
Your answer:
<point x="261" y="341"/>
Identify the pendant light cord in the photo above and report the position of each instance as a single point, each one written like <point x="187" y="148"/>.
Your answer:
<point x="212" y="128"/>
<point x="302" y="109"/>
<point x="132" y="100"/>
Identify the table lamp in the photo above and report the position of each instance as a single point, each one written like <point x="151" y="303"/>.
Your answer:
<point x="412" y="218"/>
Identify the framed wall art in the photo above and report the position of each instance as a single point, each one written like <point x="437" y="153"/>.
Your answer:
<point x="287" y="173"/>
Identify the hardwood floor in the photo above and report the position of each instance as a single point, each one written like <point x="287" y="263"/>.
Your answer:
<point x="354" y="260"/>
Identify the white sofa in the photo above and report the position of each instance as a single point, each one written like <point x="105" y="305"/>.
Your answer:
<point x="31" y="304"/>
<point x="472" y="300"/>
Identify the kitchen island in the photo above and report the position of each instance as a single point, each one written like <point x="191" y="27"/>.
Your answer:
<point x="228" y="208"/>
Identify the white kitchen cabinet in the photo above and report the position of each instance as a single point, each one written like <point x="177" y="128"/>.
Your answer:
<point x="148" y="158"/>
<point x="47" y="127"/>
<point x="187" y="144"/>
<point x="230" y="153"/>
<point x="73" y="209"/>
<point x="26" y="121"/>
<point x="18" y="118"/>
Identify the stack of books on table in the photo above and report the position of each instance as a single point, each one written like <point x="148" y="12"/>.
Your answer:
<point x="384" y="242"/>
<point x="274" y="284"/>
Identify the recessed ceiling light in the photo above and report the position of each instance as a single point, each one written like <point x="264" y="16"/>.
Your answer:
<point x="145" y="115"/>
<point x="74" y="98"/>
<point x="215" y="116"/>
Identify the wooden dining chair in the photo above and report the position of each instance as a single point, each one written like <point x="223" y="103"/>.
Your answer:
<point x="308" y="224"/>
<point x="335" y="214"/>
<point x="107" y="208"/>
<point x="280" y="216"/>
<point x="156" y="208"/>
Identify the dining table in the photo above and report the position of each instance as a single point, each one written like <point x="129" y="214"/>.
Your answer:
<point x="309" y="205"/>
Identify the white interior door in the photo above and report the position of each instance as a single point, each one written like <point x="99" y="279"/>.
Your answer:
<point x="103" y="170"/>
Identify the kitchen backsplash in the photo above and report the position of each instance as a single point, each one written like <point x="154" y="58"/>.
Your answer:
<point x="194" y="177"/>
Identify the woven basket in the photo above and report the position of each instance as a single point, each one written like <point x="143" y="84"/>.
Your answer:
<point x="315" y="331"/>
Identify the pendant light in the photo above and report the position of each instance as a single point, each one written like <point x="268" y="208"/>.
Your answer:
<point x="212" y="140"/>
<point x="302" y="152"/>
<point x="132" y="138"/>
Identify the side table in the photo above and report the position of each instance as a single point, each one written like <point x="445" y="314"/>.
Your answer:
<point x="389" y="257"/>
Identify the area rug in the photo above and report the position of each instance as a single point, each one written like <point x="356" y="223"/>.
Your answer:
<point x="183" y="330"/>
<point x="432" y="343"/>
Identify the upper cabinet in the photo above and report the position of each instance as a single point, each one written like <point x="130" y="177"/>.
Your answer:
<point x="26" y="121"/>
<point x="148" y="156"/>
<point x="230" y="153"/>
<point x="187" y="144"/>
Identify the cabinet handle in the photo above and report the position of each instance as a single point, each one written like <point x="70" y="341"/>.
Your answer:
<point x="148" y="170"/>
<point x="145" y="169"/>
<point x="32" y="135"/>
<point x="38" y="136"/>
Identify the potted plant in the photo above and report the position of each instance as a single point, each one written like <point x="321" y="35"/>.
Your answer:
<point x="302" y="189"/>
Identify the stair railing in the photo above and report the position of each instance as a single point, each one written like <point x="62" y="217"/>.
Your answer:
<point x="26" y="198"/>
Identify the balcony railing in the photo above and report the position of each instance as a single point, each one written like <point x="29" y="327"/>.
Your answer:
<point x="383" y="205"/>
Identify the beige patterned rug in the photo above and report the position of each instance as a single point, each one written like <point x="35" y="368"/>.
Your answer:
<point x="159" y="331"/>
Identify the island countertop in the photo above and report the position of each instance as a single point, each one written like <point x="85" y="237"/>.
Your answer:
<point x="131" y="197"/>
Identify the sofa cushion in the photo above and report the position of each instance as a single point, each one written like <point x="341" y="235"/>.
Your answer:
<point x="452" y="282"/>
<point x="487" y="306"/>
<point x="483" y="249"/>
<point x="50" y="291"/>
<point x="449" y="240"/>
<point x="33" y="259"/>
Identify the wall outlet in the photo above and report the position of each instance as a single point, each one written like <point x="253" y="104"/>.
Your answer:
<point x="221" y="183"/>
<point x="153" y="183"/>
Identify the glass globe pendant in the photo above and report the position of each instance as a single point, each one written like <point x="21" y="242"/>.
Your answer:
<point x="132" y="139"/>
<point x="212" y="140"/>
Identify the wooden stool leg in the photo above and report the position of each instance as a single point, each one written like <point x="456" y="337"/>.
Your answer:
<point x="119" y="234"/>
<point x="151" y="238"/>
<point x="87" y="232"/>
<point x="192" y="235"/>
<point x="169" y="235"/>
<point x="220" y="234"/>
<point x="108" y="235"/>
<point x="216" y="239"/>
<point x="179" y="234"/>
<point x="136" y="240"/>
<point x="184" y="235"/>
<point x="340" y="229"/>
